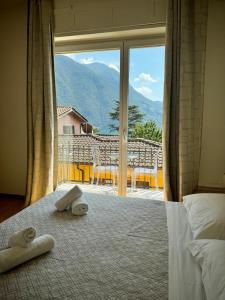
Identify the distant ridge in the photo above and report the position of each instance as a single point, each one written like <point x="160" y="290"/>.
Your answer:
<point x="92" y="90"/>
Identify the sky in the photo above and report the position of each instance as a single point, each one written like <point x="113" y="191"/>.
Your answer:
<point x="146" y="67"/>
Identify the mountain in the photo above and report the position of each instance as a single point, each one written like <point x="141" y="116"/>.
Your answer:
<point x="92" y="89"/>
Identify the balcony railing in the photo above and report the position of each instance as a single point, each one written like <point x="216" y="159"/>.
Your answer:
<point x="80" y="163"/>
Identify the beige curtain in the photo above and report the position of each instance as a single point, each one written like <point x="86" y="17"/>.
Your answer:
<point x="183" y="95"/>
<point x="41" y="102"/>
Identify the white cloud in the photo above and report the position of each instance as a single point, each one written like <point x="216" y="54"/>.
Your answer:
<point x="144" y="90"/>
<point x="69" y="55"/>
<point x="145" y="77"/>
<point x="88" y="60"/>
<point x="115" y="67"/>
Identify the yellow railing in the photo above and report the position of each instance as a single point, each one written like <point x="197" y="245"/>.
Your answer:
<point x="84" y="172"/>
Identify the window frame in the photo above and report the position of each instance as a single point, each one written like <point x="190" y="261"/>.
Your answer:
<point x="123" y="45"/>
<point x="69" y="126"/>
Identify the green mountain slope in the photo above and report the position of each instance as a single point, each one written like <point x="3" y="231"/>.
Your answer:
<point x="92" y="90"/>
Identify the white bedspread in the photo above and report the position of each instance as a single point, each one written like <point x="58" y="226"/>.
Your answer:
<point x="185" y="281"/>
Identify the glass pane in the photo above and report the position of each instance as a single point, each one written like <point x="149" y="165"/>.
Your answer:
<point x="87" y="88"/>
<point x="144" y="158"/>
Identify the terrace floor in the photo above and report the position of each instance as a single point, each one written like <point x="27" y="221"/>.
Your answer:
<point x="151" y="194"/>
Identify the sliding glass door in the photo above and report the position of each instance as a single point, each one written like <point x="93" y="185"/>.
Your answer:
<point x="142" y="80"/>
<point x="88" y="90"/>
<point x="105" y="113"/>
<point x="144" y="111"/>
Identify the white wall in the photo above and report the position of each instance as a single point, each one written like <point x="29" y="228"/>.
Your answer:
<point x="13" y="51"/>
<point x="213" y="139"/>
<point x="82" y="16"/>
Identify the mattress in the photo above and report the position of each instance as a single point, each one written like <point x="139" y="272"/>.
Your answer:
<point x="119" y="250"/>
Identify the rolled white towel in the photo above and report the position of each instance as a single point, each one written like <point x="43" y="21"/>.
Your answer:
<point x="12" y="257"/>
<point x="22" y="238"/>
<point x="68" y="198"/>
<point x="79" y="207"/>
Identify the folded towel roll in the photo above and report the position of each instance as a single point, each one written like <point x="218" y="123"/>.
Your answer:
<point x="12" y="257"/>
<point x="79" y="207"/>
<point x="68" y="198"/>
<point x="22" y="238"/>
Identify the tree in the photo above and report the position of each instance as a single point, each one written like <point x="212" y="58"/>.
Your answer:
<point x="134" y="117"/>
<point x="148" y="131"/>
<point x="114" y="115"/>
<point x="96" y="130"/>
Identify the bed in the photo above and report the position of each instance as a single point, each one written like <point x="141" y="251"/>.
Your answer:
<point x="124" y="248"/>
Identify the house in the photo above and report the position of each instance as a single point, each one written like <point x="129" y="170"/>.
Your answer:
<point x="70" y="121"/>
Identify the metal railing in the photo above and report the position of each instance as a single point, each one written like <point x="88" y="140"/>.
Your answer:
<point x="76" y="163"/>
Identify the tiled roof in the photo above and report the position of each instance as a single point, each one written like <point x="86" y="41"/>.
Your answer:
<point x="78" y="148"/>
<point x="63" y="109"/>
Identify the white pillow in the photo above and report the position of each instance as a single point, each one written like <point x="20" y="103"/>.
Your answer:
<point x="210" y="254"/>
<point x="206" y="215"/>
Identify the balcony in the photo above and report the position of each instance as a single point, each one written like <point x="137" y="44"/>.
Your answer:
<point x="98" y="172"/>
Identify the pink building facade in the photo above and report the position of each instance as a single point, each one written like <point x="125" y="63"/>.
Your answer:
<point x="72" y="122"/>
